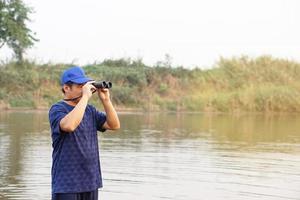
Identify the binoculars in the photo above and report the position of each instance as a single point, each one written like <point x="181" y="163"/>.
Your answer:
<point x="102" y="84"/>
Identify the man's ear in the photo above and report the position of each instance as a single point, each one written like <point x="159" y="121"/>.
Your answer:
<point x="67" y="87"/>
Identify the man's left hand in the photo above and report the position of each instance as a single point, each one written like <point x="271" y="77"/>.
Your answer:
<point x="103" y="94"/>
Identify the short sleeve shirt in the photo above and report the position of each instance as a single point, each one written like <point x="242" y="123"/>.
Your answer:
<point x="75" y="156"/>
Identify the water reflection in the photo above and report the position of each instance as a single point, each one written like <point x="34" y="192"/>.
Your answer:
<point x="21" y="143"/>
<point x="165" y="156"/>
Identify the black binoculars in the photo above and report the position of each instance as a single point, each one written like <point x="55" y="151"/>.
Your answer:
<point x="102" y="84"/>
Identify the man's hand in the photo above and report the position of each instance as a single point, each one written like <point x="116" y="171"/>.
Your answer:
<point x="112" y="119"/>
<point x="71" y="121"/>
<point x="103" y="94"/>
<point x="87" y="89"/>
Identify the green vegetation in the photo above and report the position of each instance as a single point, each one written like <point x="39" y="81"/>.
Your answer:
<point x="14" y="32"/>
<point x="264" y="84"/>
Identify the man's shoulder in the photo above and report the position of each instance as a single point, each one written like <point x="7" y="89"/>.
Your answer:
<point x="59" y="103"/>
<point x="57" y="106"/>
<point x="91" y="108"/>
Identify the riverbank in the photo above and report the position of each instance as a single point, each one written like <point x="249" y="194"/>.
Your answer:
<point x="8" y="108"/>
<point x="235" y="85"/>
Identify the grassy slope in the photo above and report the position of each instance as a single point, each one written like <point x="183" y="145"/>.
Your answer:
<point x="240" y="84"/>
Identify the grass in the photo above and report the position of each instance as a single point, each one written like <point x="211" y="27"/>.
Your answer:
<point x="262" y="84"/>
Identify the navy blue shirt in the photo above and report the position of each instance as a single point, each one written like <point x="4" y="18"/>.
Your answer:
<point x="75" y="156"/>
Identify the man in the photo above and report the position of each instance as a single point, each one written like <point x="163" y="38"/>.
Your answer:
<point x="76" y="173"/>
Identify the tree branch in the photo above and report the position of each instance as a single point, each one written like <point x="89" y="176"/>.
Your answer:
<point x="1" y="45"/>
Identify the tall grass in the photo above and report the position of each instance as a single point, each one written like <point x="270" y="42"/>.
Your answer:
<point x="263" y="84"/>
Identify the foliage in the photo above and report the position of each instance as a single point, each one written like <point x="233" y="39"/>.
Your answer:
<point x="14" y="32"/>
<point x="263" y="84"/>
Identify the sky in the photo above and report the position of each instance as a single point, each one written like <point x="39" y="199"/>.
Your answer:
<point x="193" y="32"/>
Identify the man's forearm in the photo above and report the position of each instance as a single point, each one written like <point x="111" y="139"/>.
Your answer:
<point x="112" y="118"/>
<point x="71" y="121"/>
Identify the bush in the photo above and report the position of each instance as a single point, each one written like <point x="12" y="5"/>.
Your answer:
<point x="22" y="101"/>
<point x="123" y="95"/>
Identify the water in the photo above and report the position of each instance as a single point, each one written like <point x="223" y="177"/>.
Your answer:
<point x="164" y="156"/>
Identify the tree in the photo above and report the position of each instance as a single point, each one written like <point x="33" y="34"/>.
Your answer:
<point x="166" y="63"/>
<point x="14" y="15"/>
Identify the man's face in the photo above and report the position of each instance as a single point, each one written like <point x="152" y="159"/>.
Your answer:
<point x="73" y="90"/>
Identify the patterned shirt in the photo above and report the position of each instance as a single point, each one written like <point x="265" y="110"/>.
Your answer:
<point x="75" y="156"/>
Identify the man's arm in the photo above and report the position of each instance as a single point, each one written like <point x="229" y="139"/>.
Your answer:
<point x="112" y="119"/>
<point x="71" y="121"/>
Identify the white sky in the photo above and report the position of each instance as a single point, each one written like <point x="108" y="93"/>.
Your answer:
<point x="193" y="32"/>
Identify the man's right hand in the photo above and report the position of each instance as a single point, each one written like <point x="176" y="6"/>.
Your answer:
<point x="71" y="121"/>
<point x="87" y="89"/>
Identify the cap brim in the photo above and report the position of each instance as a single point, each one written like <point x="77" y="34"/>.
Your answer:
<point x="81" y="80"/>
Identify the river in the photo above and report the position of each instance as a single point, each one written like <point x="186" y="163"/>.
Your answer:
<point x="159" y="156"/>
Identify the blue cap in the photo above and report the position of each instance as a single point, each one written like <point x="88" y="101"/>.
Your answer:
<point x="75" y="75"/>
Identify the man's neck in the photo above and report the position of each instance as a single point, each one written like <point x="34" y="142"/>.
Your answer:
<point x="72" y="102"/>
